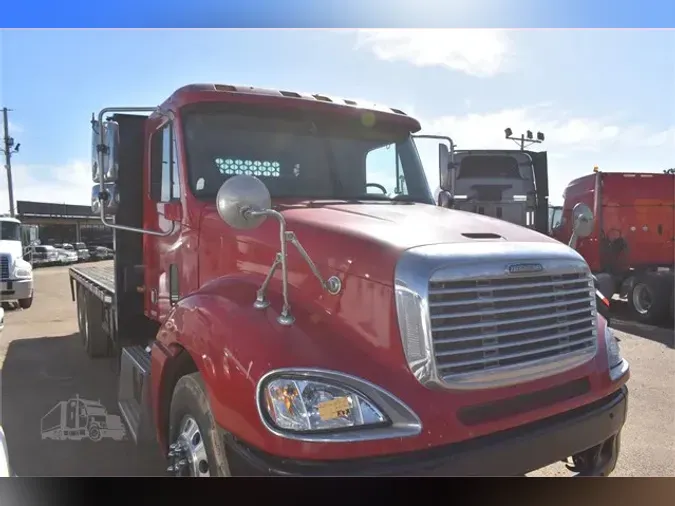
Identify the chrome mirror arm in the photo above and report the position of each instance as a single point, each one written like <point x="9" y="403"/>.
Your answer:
<point x="332" y="285"/>
<point x="101" y="151"/>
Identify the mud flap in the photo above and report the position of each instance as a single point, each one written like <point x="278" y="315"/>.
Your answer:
<point x="134" y="394"/>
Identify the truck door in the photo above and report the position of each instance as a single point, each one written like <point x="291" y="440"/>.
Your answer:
<point x="172" y="258"/>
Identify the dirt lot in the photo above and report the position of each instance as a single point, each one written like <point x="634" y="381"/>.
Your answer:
<point x="42" y="364"/>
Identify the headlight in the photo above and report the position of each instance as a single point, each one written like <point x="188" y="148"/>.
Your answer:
<point x="22" y="269"/>
<point x="308" y="405"/>
<point x="617" y="365"/>
<point x="329" y="406"/>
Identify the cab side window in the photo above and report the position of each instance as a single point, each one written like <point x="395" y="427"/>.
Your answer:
<point x="165" y="181"/>
<point x="383" y="167"/>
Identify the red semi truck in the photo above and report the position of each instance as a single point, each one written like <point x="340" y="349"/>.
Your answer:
<point x="631" y="249"/>
<point x="287" y="299"/>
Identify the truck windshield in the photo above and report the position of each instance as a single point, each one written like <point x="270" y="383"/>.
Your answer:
<point x="10" y="231"/>
<point x="316" y="158"/>
<point x="478" y="166"/>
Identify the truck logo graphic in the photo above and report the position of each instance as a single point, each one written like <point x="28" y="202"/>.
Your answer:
<point x="77" y="418"/>
<point x="524" y="268"/>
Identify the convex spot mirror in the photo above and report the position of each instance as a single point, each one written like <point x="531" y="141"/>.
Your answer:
<point x="445" y="199"/>
<point x="111" y="203"/>
<point x="239" y="194"/>
<point x="583" y="220"/>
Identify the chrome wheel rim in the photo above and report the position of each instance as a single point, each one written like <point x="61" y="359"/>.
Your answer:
<point x="642" y="299"/>
<point x="188" y="454"/>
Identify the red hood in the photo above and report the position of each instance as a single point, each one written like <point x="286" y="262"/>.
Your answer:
<point x="365" y="240"/>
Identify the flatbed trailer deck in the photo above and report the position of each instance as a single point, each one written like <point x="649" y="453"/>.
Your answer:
<point x="93" y="287"/>
<point x="100" y="276"/>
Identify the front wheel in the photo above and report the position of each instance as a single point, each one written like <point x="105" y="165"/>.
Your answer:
<point x="26" y="303"/>
<point x="196" y="449"/>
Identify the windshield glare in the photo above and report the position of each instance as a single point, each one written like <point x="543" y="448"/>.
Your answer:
<point x="322" y="158"/>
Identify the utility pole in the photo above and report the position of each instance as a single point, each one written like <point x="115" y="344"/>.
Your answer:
<point x="9" y="149"/>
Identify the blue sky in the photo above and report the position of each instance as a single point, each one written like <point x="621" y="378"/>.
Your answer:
<point x="601" y="97"/>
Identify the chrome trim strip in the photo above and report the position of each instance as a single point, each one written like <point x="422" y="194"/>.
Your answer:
<point x="5" y="469"/>
<point x="404" y="422"/>
<point x="420" y="266"/>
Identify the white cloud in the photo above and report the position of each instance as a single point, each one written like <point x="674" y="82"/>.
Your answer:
<point x="69" y="184"/>
<point x="574" y="143"/>
<point x="563" y="132"/>
<point x="477" y="52"/>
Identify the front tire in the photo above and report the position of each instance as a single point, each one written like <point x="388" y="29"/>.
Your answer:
<point x="26" y="303"/>
<point x="196" y="447"/>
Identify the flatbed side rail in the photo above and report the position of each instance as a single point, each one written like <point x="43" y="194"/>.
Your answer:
<point x="101" y="292"/>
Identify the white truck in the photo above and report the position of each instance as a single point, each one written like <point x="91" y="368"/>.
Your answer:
<point x="16" y="274"/>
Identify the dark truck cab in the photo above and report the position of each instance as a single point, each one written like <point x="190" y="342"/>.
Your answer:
<point x="508" y="184"/>
<point x="287" y="299"/>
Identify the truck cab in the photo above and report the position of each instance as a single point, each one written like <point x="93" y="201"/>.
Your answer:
<point x="510" y="185"/>
<point x="287" y="299"/>
<point x="16" y="274"/>
<point x="630" y="249"/>
<point x="554" y="218"/>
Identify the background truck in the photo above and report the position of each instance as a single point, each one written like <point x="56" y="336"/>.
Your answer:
<point x="510" y="185"/>
<point x="16" y="274"/>
<point x="287" y="299"/>
<point x="79" y="418"/>
<point x="631" y="250"/>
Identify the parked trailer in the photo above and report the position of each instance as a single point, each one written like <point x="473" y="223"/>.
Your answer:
<point x="273" y="316"/>
<point x="631" y="250"/>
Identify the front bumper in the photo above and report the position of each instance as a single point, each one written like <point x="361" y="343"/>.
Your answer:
<point x="507" y="453"/>
<point x="15" y="289"/>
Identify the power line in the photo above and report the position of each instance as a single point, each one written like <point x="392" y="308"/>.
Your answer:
<point x="9" y="149"/>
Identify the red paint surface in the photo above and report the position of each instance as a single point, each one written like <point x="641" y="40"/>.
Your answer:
<point x="640" y="208"/>
<point x="234" y="344"/>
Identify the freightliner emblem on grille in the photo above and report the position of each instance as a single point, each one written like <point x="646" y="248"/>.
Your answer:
<point x="524" y="268"/>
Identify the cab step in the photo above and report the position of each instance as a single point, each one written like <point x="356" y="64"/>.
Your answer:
<point x="134" y="393"/>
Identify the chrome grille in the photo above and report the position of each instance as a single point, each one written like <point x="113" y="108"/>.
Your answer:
<point x="513" y="321"/>
<point x="4" y="267"/>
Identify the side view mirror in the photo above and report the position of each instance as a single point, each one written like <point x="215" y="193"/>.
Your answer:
<point x="240" y="195"/>
<point x="582" y="224"/>
<point x="443" y="158"/>
<point x="583" y="220"/>
<point x="104" y="157"/>
<point x="111" y="199"/>
<point x="445" y="199"/>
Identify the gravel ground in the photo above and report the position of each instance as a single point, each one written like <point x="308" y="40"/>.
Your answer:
<point x="42" y="364"/>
